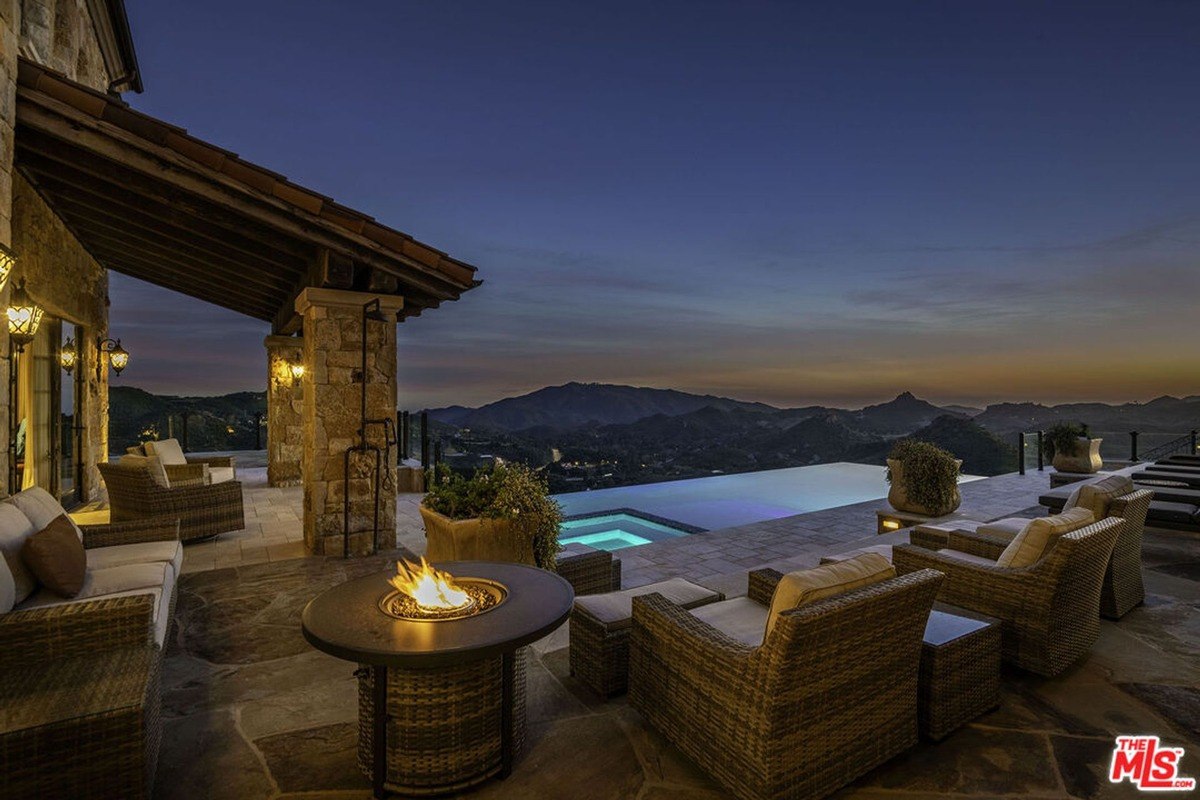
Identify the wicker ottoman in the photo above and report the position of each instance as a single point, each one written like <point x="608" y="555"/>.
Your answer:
<point x="84" y="727"/>
<point x="960" y="669"/>
<point x="600" y="626"/>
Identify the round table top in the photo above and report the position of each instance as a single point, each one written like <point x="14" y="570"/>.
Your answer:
<point x="346" y="621"/>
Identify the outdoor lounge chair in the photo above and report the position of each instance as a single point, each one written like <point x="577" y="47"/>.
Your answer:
<point x="830" y="694"/>
<point x="203" y="510"/>
<point x="1123" y="589"/>
<point x="1050" y="611"/>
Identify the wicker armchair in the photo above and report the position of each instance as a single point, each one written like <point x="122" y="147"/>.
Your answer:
<point x="1122" y="590"/>
<point x="1049" y="612"/>
<point x="829" y="695"/>
<point x="203" y="511"/>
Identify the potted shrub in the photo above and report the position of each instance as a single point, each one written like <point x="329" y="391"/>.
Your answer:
<point x="1068" y="447"/>
<point x="923" y="479"/>
<point x="502" y="513"/>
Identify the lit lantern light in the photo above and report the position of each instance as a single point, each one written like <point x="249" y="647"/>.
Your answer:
<point x="118" y="357"/>
<point x="24" y="317"/>
<point x="297" y="370"/>
<point x="68" y="357"/>
<point x="7" y="261"/>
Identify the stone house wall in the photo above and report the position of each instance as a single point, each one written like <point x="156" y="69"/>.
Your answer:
<point x="58" y="34"/>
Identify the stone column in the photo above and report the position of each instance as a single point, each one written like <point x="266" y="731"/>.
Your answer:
<point x="331" y="418"/>
<point x="285" y="412"/>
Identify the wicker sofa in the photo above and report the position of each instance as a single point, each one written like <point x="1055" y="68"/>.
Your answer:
<point x="829" y="695"/>
<point x="203" y="510"/>
<point x="81" y="696"/>
<point x="1049" y="612"/>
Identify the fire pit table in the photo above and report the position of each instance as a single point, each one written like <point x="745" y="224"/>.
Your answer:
<point x="441" y="692"/>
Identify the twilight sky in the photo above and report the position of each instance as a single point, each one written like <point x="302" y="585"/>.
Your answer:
<point x="788" y="202"/>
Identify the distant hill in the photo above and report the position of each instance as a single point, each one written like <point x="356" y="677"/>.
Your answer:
<point x="224" y="422"/>
<point x="903" y="415"/>
<point x="576" y="404"/>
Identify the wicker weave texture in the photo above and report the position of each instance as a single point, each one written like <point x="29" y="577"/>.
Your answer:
<point x="444" y="724"/>
<point x="86" y="727"/>
<point x="593" y="572"/>
<point x="959" y="681"/>
<point x="1123" y="589"/>
<point x="1049" y="612"/>
<point x="202" y="511"/>
<point x="830" y="694"/>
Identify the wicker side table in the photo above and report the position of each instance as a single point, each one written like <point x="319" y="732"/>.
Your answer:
<point x="960" y="669"/>
<point x="85" y="727"/>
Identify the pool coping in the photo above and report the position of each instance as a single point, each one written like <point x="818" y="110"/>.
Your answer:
<point x="642" y="515"/>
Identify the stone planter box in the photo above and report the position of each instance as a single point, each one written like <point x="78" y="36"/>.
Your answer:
<point x="1086" y="458"/>
<point x="474" y="540"/>
<point x="898" y="494"/>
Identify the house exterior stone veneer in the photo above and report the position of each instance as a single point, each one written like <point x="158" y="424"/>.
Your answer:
<point x="285" y="411"/>
<point x="331" y="418"/>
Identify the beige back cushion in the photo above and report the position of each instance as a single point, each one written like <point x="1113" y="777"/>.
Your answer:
<point x="40" y="508"/>
<point x="807" y="586"/>
<point x="168" y="450"/>
<point x="1039" y="536"/>
<point x="15" y="528"/>
<point x="152" y="464"/>
<point x="1097" y="495"/>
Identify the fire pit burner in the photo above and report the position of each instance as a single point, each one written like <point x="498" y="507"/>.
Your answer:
<point x="483" y="595"/>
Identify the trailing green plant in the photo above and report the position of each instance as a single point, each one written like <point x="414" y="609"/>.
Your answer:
<point x="504" y="491"/>
<point x="1063" y="437"/>
<point x="930" y="473"/>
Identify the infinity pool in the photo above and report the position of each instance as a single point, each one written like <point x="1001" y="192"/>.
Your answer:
<point x="724" y="501"/>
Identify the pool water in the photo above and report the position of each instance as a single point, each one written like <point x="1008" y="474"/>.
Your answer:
<point x="613" y="531"/>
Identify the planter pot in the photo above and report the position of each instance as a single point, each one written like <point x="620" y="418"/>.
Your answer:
<point x="1086" y="458"/>
<point x="474" y="540"/>
<point x="898" y="494"/>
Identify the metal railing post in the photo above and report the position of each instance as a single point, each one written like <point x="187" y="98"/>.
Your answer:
<point x="1192" y="437"/>
<point x="258" y="418"/>
<point x="424" y="440"/>
<point x="406" y="435"/>
<point x="1021" y="452"/>
<point x="1041" y="453"/>
<point x="437" y="453"/>
<point x="1133" y="437"/>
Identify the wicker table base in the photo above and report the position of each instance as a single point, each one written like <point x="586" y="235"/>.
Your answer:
<point x="960" y="669"/>
<point x="448" y="728"/>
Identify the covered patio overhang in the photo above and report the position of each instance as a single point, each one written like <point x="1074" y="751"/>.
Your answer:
<point x="148" y="200"/>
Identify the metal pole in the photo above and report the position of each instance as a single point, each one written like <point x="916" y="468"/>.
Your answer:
<point x="258" y="418"/>
<point x="1041" y="456"/>
<point x="1192" y="452"/>
<point x="1021" y="452"/>
<point x="1133" y="437"/>
<point x="424" y="440"/>
<point x="437" y="453"/>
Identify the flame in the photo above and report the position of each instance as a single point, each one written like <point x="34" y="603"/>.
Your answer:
<point x="431" y="588"/>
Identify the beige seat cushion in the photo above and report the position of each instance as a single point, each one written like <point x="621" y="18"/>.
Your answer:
<point x="615" y="609"/>
<point x="140" y="553"/>
<point x="884" y="550"/>
<point x="152" y="464"/>
<point x="40" y="507"/>
<point x="740" y="618"/>
<point x="220" y="474"/>
<point x="1039" y="536"/>
<point x="1098" y="495"/>
<point x="1006" y="528"/>
<point x="810" y="585"/>
<point x="167" y="449"/>
<point x="15" y="529"/>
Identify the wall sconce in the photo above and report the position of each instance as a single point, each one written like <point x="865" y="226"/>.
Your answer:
<point x="118" y="358"/>
<point x="297" y="370"/>
<point x="68" y="357"/>
<point x="24" y="317"/>
<point x="8" y="260"/>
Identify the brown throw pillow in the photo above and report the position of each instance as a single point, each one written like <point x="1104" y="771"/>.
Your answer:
<point x="56" y="556"/>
